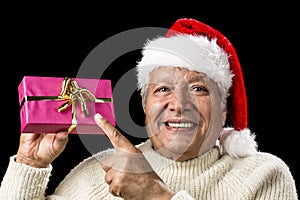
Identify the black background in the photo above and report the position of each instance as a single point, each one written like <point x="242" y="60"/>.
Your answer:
<point x="53" y="40"/>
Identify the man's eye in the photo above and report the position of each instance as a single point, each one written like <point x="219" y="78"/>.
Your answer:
<point x="199" y="89"/>
<point x="162" y="89"/>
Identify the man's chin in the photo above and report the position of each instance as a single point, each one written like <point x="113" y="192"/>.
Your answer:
<point x="174" y="149"/>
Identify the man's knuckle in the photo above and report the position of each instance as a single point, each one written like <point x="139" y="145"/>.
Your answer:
<point x="116" y="134"/>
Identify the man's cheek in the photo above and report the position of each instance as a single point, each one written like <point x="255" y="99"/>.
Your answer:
<point x="153" y="112"/>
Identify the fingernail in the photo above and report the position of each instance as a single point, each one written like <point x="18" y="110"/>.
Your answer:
<point x="97" y="117"/>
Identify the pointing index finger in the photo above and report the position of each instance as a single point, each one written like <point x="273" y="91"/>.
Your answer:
<point x="118" y="140"/>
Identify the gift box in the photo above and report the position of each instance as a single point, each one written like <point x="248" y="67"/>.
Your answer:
<point x="53" y="104"/>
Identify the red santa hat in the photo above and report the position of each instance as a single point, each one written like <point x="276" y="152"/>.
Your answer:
<point x="196" y="46"/>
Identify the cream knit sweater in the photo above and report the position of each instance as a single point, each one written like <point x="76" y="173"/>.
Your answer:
<point x="210" y="176"/>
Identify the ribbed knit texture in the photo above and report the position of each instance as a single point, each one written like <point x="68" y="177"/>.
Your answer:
<point x="211" y="176"/>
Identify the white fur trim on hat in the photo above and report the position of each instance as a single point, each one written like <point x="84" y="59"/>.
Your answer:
<point x="237" y="143"/>
<point x="187" y="51"/>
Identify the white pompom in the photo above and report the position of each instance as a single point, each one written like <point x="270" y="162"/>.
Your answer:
<point x="238" y="143"/>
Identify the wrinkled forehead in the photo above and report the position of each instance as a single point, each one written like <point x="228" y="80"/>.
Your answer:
<point x="171" y="75"/>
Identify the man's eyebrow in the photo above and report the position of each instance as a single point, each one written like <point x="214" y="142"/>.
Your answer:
<point x="196" y="78"/>
<point x="160" y="82"/>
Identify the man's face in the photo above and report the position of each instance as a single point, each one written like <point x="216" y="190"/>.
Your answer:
<point x="178" y="111"/>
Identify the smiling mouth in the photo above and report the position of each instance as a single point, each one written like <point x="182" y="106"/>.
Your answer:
<point x="180" y="124"/>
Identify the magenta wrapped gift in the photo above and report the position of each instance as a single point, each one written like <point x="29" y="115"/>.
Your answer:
<point x="53" y="104"/>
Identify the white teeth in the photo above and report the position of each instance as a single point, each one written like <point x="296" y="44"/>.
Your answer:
<point x="180" y="125"/>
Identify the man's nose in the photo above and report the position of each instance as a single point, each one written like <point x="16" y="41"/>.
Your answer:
<point x="179" y="102"/>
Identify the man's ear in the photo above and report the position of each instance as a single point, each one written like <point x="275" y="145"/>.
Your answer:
<point x="144" y="109"/>
<point x="143" y="102"/>
<point x="224" y="116"/>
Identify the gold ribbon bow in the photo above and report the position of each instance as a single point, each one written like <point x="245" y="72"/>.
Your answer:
<point x="72" y="93"/>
